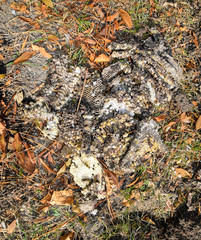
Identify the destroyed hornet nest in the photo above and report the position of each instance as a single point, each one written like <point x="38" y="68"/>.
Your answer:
<point x="113" y="122"/>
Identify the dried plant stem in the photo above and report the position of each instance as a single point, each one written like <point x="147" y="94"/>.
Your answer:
<point x="82" y="90"/>
<point x="175" y="149"/>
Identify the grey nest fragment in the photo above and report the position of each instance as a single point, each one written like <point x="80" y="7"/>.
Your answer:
<point x="113" y="122"/>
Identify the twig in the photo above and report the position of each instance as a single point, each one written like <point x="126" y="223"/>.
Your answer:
<point x="82" y="90"/>
<point x="9" y="103"/>
<point x="175" y="149"/>
<point x="56" y="228"/>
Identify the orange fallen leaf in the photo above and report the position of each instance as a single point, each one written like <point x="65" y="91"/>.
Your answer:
<point x="24" y="57"/>
<point x="23" y="8"/>
<point x="1" y="57"/>
<point x="3" y="141"/>
<point x="67" y="236"/>
<point x="15" y="6"/>
<point x="48" y="3"/>
<point x="189" y="141"/>
<point x="160" y="118"/>
<point x="2" y="76"/>
<point x="11" y="227"/>
<point x="152" y="7"/>
<point x="23" y="160"/>
<point x="182" y="173"/>
<point x="126" y="18"/>
<point x="17" y="143"/>
<point x="106" y="40"/>
<point x="116" y="25"/>
<point x="53" y="38"/>
<point x="42" y="51"/>
<point x="64" y="197"/>
<point x="147" y="219"/>
<point x="198" y="123"/>
<point x="47" y="198"/>
<point x="89" y="41"/>
<point x="195" y="40"/>
<point x="126" y="203"/>
<point x="184" y="118"/>
<point x="112" y="17"/>
<point x="102" y="58"/>
<point x="29" y="20"/>
<point x="169" y="125"/>
<point x="100" y="12"/>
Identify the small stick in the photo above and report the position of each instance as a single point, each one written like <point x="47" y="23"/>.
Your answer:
<point x="175" y="149"/>
<point x="82" y="91"/>
<point x="58" y="227"/>
<point x="9" y="103"/>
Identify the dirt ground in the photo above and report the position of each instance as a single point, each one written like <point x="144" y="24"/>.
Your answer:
<point x="161" y="200"/>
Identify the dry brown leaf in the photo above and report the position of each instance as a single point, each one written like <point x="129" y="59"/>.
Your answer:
<point x="126" y="203"/>
<point x="2" y="128"/>
<point x="44" y="208"/>
<point x="126" y="18"/>
<point x="182" y="173"/>
<point x="189" y="141"/>
<point x="194" y="103"/>
<point x="31" y="22"/>
<point x="64" y="197"/>
<point x="169" y="125"/>
<point x="195" y="39"/>
<point x="106" y="40"/>
<point x="17" y="143"/>
<point x="100" y="12"/>
<point x="112" y="17"/>
<point x="15" y="6"/>
<point x="54" y="38"/>
<point x="1" y="57"/>
<point x="89" y="41"/>
<point x="104" y="32"/>
<point x="68" y="236"/>
<point x="102" y="58"/>
<point x="11" y="227"/>
<point x="2" y="76"/>
<point x="160" y="118"/>
<point x="47" y="198"/>
<point x="42" y="219"/>
<point x="116" y="25"/>
<point x="198" y="123"/>
<point x="23" y="8"/>
<point x="48" y="3"/>
<point x="147" y="219"/>
<point x="152" y="7"/>
<point x="184" y="118"/>
<point x="113" y="176"/>
<point x="42" y="51"/>
<point x="24" y="57"/>
<point x="92" y="57"/>
<point x="135" y="194"/>
<point x="3" y="141"/>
